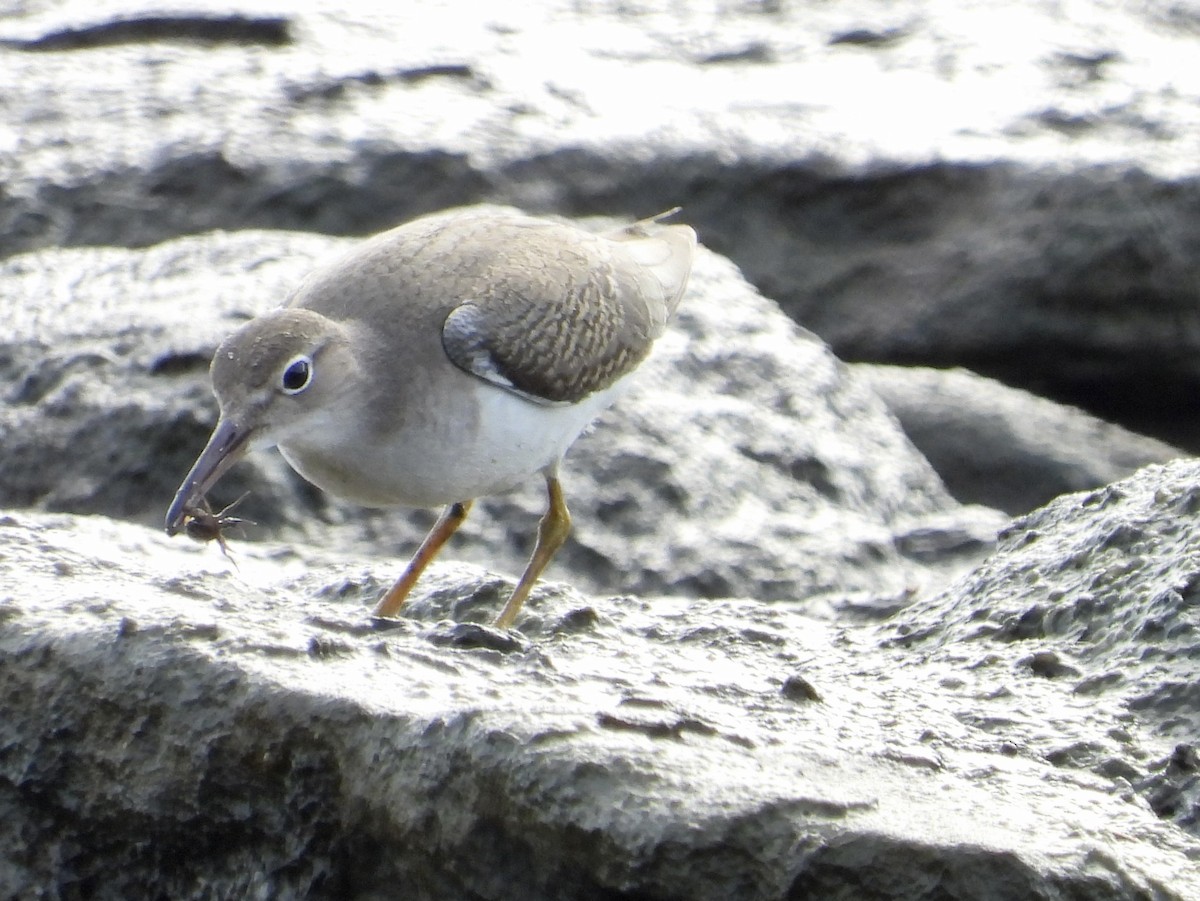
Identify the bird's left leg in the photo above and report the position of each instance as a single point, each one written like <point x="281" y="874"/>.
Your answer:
<point x="552" y="532"/>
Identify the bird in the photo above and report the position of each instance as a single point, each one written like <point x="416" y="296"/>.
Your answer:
<point x="453" y="357"/>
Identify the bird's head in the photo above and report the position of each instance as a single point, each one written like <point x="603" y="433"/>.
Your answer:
<point x="275" y="378"/>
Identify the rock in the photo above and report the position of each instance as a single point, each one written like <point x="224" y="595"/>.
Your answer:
<point x="744" y="462"/>
<point x="1090" y="603"/>
<point x="1071" y="284"/>
<point x="917" y="184"/>
<point x="1003" y="447"/>
<point x="808" y="686"/>
<point x="176" y="728"/>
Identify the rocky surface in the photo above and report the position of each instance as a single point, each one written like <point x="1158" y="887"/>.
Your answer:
<point x="775" y="663"/>
<point x="746" y="460"/>
<point x="1003" y="447"/>
<point x="174" y="727"/>
<point x="1096" y="596"/>
<point x="1003" y="187"/>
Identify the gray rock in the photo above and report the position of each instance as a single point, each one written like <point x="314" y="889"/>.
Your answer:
<point x="1003" y="447"/>
<point x="1088" y="610"/>
<point x="913" y="182"/>
<point x="176" y="728"/>
<point x="916" y="183"/>
<point x="744" y="461"/>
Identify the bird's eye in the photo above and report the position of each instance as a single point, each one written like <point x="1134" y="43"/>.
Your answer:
<point x="297" y="375"/>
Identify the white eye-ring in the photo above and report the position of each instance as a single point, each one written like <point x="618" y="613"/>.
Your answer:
<point x="297" y="375"/>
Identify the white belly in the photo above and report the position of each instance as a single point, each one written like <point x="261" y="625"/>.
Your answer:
<point x="487" y="441"/>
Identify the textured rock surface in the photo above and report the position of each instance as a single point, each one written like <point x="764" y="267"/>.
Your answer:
<point x="1006" y="186"/>
<point x="172" y="727"/>
<point x="745" y="460"/>
<point x="1000" y="186"/>
<point x="1097" y="596"/>
<point x="1004" y="447"/>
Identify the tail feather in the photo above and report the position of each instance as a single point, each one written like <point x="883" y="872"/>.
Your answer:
<point x="665" y="251"/>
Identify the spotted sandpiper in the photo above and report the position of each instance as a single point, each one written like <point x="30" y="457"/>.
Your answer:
<point x="447" y="359"/>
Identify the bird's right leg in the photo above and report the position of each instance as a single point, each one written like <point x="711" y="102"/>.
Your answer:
<point x="447" y="524"/>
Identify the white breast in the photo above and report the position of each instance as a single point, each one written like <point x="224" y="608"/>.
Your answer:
<point x="482" y="441"/>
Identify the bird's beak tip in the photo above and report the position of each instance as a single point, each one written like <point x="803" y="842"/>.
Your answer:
<point x="225" y="446"/>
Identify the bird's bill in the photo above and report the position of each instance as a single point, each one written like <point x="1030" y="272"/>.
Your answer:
<point x="225" y="447"/>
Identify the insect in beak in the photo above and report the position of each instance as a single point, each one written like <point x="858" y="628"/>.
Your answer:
<point x="200" y="523"/>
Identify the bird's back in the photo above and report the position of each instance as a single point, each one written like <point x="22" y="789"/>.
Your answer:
<point x="545" y="309"/>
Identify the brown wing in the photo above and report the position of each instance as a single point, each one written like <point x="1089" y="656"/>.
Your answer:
<point x="560" y="313"/>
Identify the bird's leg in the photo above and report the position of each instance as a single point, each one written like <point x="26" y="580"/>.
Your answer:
<point x="447" y="524"/>
<point x="552" y="532"/>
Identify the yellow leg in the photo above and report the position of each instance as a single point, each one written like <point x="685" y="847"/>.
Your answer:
<point x="452" y="517"/>
<point x="552" y="532"/>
